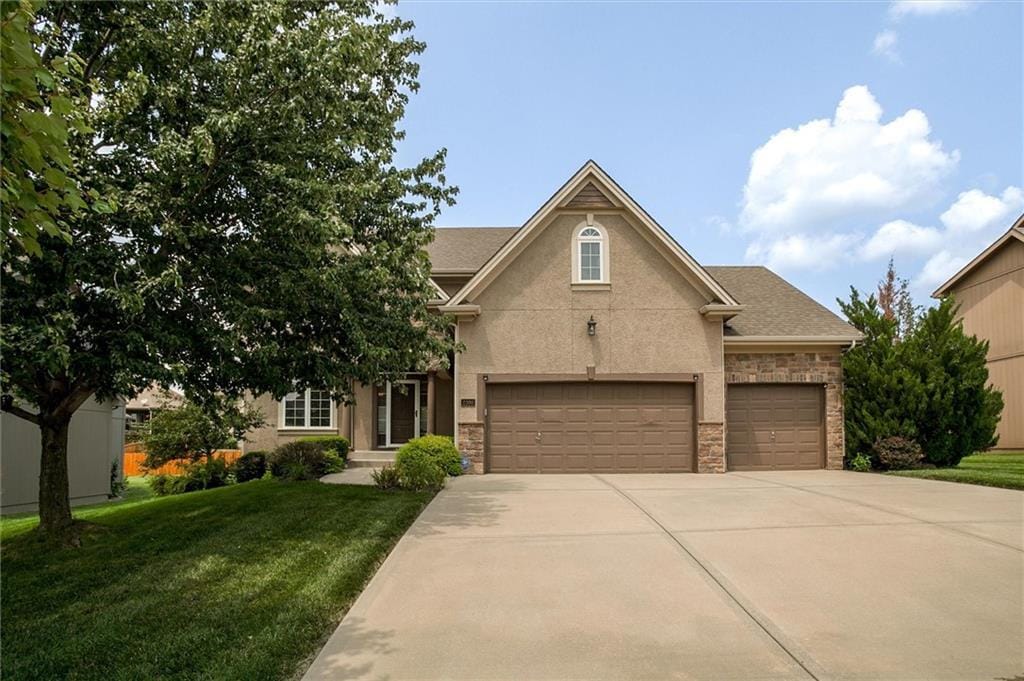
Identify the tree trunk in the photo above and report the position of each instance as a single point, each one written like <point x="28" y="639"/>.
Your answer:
<point x="54" y="499"/>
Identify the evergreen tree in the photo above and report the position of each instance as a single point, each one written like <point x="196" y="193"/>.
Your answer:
<point x="930" y="387"/>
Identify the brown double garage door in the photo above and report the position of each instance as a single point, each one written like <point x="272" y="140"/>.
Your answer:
<point x="619" y="427"/>
<point x="590" y="427"/>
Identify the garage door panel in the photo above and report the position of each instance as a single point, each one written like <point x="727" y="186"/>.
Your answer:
<point x="590" y="426"/>
<point x="774" y="427"/>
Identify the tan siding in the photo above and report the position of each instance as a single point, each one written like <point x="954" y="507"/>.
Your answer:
<point x="991" y="301"/>
<point x="993" y="310"/>
<point x="1009" y="257"/>
<point x="1008" y="376"/>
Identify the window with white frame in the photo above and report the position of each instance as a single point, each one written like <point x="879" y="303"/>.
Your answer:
<point x="591" y="256"/>
<point x="311" y="408"/>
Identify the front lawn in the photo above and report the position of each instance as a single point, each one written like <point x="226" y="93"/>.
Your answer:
<point x="242" y="582"/>
<point x="1003" y="469"/>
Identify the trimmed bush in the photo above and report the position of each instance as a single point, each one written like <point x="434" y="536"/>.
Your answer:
<point x="250" y="466"/>
<point x="898" y="453"/>
<point x="197" y="476"/>
<point x="440" y="448"/>
<point x="419" y="470"/>
<point x="304" y="460"/>
<point x="386" y="478"/>
<point x="860" y="463"/>
<point x="336" y="443"/>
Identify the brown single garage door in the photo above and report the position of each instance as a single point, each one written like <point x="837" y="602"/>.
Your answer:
<point x="774" y="427"/>
<point x="590" y="427"/>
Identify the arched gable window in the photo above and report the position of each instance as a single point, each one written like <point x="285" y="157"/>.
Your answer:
<point x="590" y="255"/>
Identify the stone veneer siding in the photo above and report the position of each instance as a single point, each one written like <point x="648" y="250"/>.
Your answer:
<point x="471" y="444"/>
<point x="799" y="367"/>
<point x="710" y="447"/>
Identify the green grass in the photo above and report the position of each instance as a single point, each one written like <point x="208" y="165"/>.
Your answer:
<point x="995" y="469"/>
<point x="242" y="582"/>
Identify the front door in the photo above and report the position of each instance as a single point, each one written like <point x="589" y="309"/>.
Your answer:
<point x="403" y="411"/>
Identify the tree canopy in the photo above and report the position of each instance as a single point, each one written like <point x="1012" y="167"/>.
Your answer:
<point x="264" y="238"/>
<point x="42" y="106"/>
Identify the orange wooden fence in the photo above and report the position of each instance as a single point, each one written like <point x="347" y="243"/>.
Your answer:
<point x="135" y="458"/>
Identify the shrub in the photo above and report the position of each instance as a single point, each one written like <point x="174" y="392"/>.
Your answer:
<point x="250" y="466"/>
<point x="440" y="448"/>
<point x="897" y="453"/>
<point x="860" y="463"/>
<point x="386" y="478"/>
<point x="192" y="432"/>
<point x="161" y="484"/>
<point x="304" y="460"/>
<point x="336" y="443"/>
<point x="196" y="476"/>
<point x="117" y="483"/>
<point x="419" y="470"/>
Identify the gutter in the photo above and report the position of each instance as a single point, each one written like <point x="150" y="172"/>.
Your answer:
<point x="791" y="340"/>
<point x="463" y="311"/>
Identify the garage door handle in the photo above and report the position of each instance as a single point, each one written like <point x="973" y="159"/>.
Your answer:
<point x="537" y="438"/>
<point x="773" y="434"/>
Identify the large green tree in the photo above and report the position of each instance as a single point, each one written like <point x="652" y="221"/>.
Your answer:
<point x="264" y="238"/>
<point x="42" y="106"/>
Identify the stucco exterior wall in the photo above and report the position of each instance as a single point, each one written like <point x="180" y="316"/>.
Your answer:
<point x="360" y="430"/>
<point x="820" y="367"/>
<point x="533" y="320"/>
<point x="270" y="436"/>
<point x="95" y="441"/>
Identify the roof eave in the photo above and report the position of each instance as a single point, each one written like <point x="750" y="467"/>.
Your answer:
<point x="792" y="340"/>
<point x="720" y="311"/>
<point x="1015" y="232"/>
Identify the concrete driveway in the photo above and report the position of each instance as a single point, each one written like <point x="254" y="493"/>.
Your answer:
<point x="788" y="575"/>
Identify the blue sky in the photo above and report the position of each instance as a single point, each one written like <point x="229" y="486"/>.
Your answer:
<point x="883" y="128"/>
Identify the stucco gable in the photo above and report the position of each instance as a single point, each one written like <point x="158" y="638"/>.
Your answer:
<point x="591" y="185"/>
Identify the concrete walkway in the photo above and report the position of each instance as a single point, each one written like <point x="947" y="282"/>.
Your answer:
<point x="816" y="574"/>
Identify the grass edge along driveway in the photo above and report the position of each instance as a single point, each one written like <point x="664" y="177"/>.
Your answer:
<point x="993" y="469"/>
<point x="242" y="582"/>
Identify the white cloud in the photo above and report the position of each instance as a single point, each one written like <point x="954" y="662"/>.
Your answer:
<point x="939" y="268"/>
<point x="802" y="251"/>
<point x="851" y="167"/>
<point x="901" y="237"/>
<point x="901" y="8"/>
<point x="885" y="45"/>
<point x="975" y="211"/>
<point x="719" y="224"/>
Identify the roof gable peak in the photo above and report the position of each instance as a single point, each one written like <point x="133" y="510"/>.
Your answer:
<point x="591" y="184"/>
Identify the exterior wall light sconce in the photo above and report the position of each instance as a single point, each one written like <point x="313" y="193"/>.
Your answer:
<point x="592" y="326"/>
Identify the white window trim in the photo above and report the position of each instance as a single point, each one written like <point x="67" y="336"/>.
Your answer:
<point x="306" y="414"/>
<point x="577" y="240"/>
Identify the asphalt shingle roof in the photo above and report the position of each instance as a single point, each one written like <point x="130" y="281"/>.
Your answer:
<point x="774" y="307"/>
<point x="466" y="248"/>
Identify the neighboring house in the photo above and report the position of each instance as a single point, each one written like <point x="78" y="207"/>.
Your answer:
<point x="595" y="343"/>
<point x="990" y="291"/>
<point x="140" y="408"/>
<point x="95" y="443"/>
